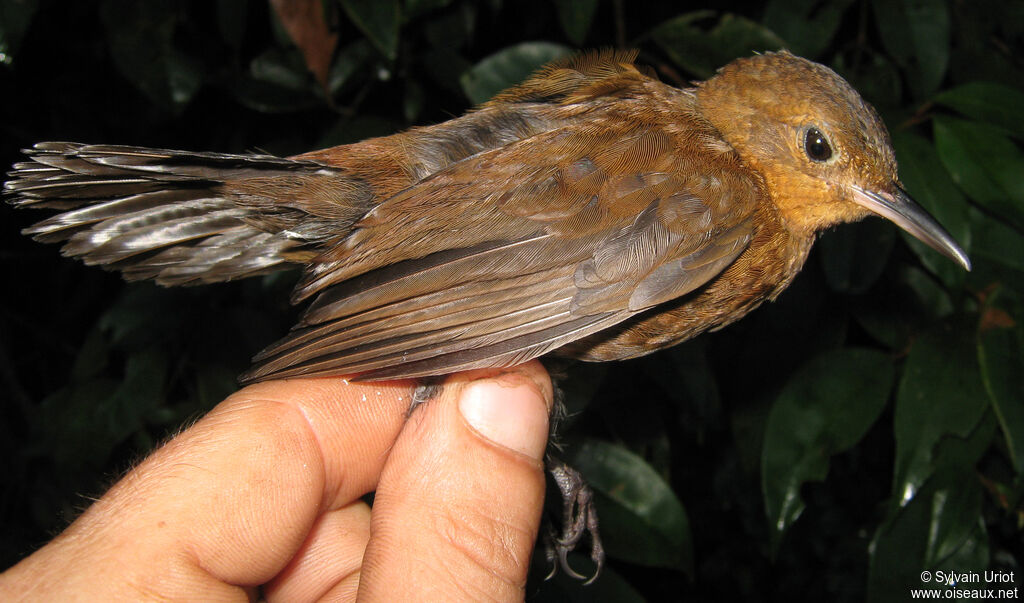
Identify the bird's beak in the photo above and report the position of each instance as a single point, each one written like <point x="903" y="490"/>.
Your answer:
<point x="911" y="217"/>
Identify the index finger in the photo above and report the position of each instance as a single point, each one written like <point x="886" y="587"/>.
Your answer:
<point x="227" y="503"/>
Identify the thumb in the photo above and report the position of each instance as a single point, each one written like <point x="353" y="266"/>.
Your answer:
<point x="459" y="501"/>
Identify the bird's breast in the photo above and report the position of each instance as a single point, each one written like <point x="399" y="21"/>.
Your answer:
<point x="769" y="264"/>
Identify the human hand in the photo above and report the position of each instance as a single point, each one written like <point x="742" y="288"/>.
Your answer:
<point x="265" y="490"/>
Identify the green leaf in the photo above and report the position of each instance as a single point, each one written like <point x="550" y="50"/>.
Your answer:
<point x="415" y="8"/>
<point x="985" y="163"/>
<point x="278" y="81"/>
<point x="807" y="25"/>
<point x="141" y="391"/>
<point x="15" y="17"/>
<point x="508" y="67"/>
<point x="348" y="62"/>
<point x="446" y="68"/>
<point x="955" y="459"/>
<point x="989" y="102"/>
<point x="917" y="34"/>
<point x="934" y="300"/>
<point x="824" y="409"/>
<point x="379" y="20"/>
<point x="213" y="384"/>
<point x="872" y="74"/>
<point x="701" y="51"/>
<point x="92" y="358"/>
<point x="139" y="316"/>
<point x="283" y="68"/>
<point x="141" y="35"/>
<point x="986" y="41"/>
<point x="928" y="182"/>
<point x="647" y="524"/>
<point x="184" y="77"/>
<point x="265" y="97"/>
<point x="412" y="104"/>
<point x="72" y="425"/>
<point x="580" y="387"/>
<point x="938" y="531"/>
<point x="82" y="424"/>
<point x="854" y="256"/>
<point x="448" y="32"/>
<point x="935" y="402"/>
<point x="904" y="303"/>
<point x="1001" y="357"/>
<point x="231" y="20"/>
<point x="576" y="17"/>
<point x="996" y="242"/>
<point x="685" y="375"/>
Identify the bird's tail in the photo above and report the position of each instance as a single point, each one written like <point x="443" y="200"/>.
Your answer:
<point x="177" y="217"/>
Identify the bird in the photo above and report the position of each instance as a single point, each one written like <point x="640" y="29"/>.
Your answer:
<point x="591" y="212"/>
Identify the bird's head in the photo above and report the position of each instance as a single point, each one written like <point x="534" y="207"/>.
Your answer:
<point x="824" y="153"/>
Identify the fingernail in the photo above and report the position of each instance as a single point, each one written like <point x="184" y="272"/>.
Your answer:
<point x="510" y="415"/>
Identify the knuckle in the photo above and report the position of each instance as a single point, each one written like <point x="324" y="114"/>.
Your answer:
<point x="494" y="545"/>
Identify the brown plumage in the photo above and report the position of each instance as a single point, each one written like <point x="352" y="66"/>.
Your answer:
<point x="592" y="210"/>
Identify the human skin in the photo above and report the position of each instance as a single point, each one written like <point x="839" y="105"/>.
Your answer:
<point x="265" y="492"/>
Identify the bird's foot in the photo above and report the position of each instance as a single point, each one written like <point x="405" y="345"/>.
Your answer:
<point x="578" y="518"/>
<point x="426" y="389"/>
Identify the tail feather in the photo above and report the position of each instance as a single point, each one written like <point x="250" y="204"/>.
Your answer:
<point x="177" y="217"/>
<point x="62" y="227"/>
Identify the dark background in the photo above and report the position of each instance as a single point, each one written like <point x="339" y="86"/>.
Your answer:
<point x="865" y="427"/>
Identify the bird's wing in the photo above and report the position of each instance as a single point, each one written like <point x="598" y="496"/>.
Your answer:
<point x="508" y="254"/>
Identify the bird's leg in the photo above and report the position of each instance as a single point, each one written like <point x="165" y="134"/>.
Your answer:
<point x="427" y="388"/>
<point x="578" y="518"/>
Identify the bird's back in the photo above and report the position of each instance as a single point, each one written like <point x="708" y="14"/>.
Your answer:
<point x="589" y="195"/>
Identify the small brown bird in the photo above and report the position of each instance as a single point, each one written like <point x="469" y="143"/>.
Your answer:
<point x="591" y="211"/>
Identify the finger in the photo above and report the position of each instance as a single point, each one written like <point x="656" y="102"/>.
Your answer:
<point x="227" y="503"/>
<point x="458" y="505"/>
<point x="327" y="565"/>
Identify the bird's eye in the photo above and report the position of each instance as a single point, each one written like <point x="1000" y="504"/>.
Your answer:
<point x="816" y="145"/>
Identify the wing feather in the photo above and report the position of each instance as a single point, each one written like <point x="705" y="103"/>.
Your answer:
<point x="579" y="262"/>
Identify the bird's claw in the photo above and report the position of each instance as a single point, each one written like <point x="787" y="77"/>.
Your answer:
<point x="578" y="518"/>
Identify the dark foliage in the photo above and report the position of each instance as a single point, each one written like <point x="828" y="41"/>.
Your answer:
<point x="866" y="427"/>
